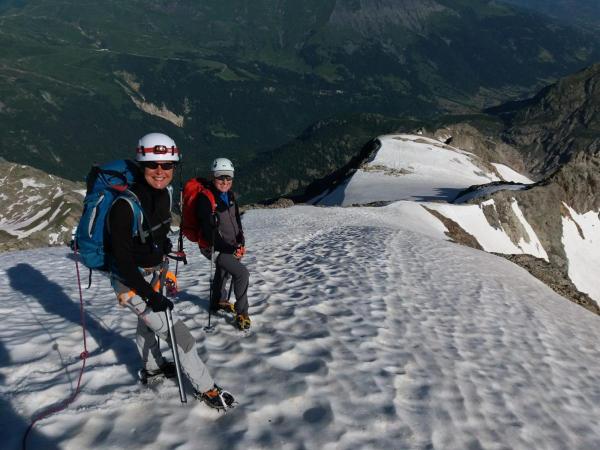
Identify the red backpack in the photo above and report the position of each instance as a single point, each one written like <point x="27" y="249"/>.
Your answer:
<point x="190" y="226"/>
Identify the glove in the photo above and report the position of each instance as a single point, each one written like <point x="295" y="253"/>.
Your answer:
<point x="171" y="284"/>
<point x="159" y="302"/>
<point x="239" y="252"/>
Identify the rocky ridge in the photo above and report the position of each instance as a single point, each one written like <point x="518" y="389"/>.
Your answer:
<point x="36" y="209"/>
<point x="545" y="206"/>
<point x="562" y="120"/>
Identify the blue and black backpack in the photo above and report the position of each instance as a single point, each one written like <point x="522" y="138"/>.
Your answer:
<point x="105" y="183"/>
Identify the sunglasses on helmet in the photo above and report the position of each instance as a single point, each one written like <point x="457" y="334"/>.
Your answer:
<point x="153" y="165"/>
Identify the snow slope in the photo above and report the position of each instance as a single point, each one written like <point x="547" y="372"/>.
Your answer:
<point x="370" y="331"/>
<point x="581" y="241"/>
<point x="412" y="167"/>
<point x="422" y="170"/>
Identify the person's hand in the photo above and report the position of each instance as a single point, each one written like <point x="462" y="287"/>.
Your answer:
<point x="159" y="302"/>
<point x="239" y="252"/>
<point x="171" y="284"/>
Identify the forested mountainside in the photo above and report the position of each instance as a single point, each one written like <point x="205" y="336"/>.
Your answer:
<point x="81" y="81"/>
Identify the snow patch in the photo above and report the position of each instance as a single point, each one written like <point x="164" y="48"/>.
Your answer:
<point x="471" y="218"/>
<point x="533" y="246"/>
<point x="31" y="182"/>
<point x="410" y="167"/>
<point x="581" y="241"/>
<point x="509" y="174"/>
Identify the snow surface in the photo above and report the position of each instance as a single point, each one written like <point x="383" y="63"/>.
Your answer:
<point x="581" y="241"/>
<point x="370" y="331"/>
<point x="472" y="219"/>
<point x="419" y="169"/>
<point x="31" y="182"/>
<point x="425" y="170"/>
<point x="509" y="174"/>
<point x="488" y="190"/>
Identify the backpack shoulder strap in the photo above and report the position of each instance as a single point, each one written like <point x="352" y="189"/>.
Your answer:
<point x="139" y="216"/>
<point x="170" y="191"/>
<point x="138" y="213"/>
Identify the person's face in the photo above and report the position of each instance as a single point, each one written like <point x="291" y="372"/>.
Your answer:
<point x="223" y="183"/>
<point x="158" y="174"/>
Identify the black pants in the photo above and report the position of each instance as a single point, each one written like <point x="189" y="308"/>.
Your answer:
<point x="227" y="265"/>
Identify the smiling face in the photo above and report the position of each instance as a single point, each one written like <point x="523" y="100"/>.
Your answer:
<point x="223" y="183"/>
<point x="158" y="174"/>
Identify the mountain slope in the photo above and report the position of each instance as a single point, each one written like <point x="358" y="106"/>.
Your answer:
<point x="586" y="12"/>
<point x="36" y="209"/>
<point x="506" y="213"/>
<point x="83" y="80"/>
<point x="558" y="122"/>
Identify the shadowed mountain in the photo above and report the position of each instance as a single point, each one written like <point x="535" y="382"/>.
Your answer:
<point x="81" y="81"/>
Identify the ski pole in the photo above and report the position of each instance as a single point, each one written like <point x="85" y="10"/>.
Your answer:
<point x="172" y="338"/>
<point x="208" y="328"/>
<point x="230" y="288"/>
<point x="175" y="349"/>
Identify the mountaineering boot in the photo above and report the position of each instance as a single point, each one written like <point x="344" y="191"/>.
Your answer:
<point x="243" y="321"/>
<point x="166" y="370"/>
<point x="216" y="398"/>
<point x="224" y="306"/>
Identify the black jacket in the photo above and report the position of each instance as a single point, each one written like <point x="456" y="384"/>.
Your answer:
<point x="128" y="253"/>
<point x="227" y="224"/>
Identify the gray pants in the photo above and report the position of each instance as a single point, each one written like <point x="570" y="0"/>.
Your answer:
<point x="151" y="324"/>
<point x="227" y="265"/>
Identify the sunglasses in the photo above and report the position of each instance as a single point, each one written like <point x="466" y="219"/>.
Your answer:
<point x="153" y="165"/>
<point x="224" y="178"/>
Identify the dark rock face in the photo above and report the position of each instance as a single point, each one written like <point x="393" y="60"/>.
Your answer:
<point x="483" y="143"/>
<point x="579" y="181"/>
<point x="583" y="12"/>
<point x="559" y="122"/>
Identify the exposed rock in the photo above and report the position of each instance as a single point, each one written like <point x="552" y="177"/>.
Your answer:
<point x="562" y="120"/>
<point x="133" y="89"/>
<point x="386" y="170"/>
<point x="486" y="145"/>
<point x="281" y="202"/>
<point x="455" y="232"/>
<point x="372" y="17"/>
<point x="36" y="209"/>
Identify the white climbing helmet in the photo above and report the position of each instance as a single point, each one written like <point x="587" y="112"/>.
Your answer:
<point x="222" y="166"/>
<point x="156" y="147"/>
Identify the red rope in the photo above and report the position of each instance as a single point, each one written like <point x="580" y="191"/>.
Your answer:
<point x="83" y="355"/>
